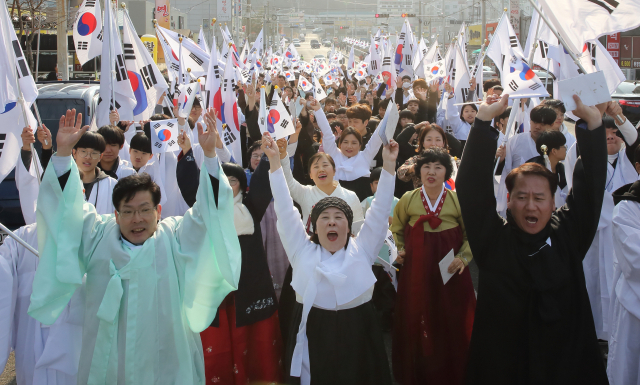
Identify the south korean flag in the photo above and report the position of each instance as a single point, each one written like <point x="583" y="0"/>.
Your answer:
<point x="279" y="123"/>
<point x="519" y="80"/>
<point x="304" y="84"/>
<point x="164" y="136"/>
<point x="434" y="71"/>
<point x="318" y="91"/>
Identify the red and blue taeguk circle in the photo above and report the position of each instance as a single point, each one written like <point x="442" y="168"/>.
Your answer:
<point x="272" y="119"/>
<point x="164" y="135"/>
<point x="525" y="73"/>
<point x="398" y="57"/>
<point x="138" y="91"/>
<point x="435" y="70"/>
<point x="87" y="24"/>
<point x="8" y="107"/>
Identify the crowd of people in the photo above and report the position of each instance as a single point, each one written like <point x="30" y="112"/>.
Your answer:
<point x="187" y="268"/>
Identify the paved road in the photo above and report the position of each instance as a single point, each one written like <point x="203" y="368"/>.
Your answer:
<point x="305" y="48"/>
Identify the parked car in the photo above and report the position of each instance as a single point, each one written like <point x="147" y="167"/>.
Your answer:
<point x="302" y="37"/>
<point x="546" y="78"/>
<point x="315" y="44"/>
<point x="628" y="95"/>
<point x="53" y="100"/>
<point x="319" y="57"/>
<point x="296" y="44"/>
<point x="326" y="43"/>
<point x="317" y="30"/>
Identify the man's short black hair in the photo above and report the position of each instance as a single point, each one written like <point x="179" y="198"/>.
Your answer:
<point x="141" y="142"/>
<point x="406" y="77"/>
<point x="341" y="111"/>
<point x="112" y="135"/>
<point x="92" y="140"/>
<point x="433" y="155"/>
<point x="282" y="77"/>
<point x="552" y="139"/>
<point x="488" y="84"/>
<point x="384" y="104"/>
<point x="127" y="188"/>
<point x="407" y="115"/>
<point x="254" y="146"/>
<point x="330" y="115"/>
<point x="375" y="174"/>
<point x="196" y="103"/>
<point x="555" y="104"/>
<point x="543" y="115"/>
<point x="335" y="124"/>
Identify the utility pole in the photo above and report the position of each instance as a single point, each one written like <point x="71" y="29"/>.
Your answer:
<point x="265" y="27"/>
<point x="443" y="25"/>
<point x="63" y="13"/>
<point x="248" y="34"/>
<point x="420" y="17"/>
<point x="483" y="31"/>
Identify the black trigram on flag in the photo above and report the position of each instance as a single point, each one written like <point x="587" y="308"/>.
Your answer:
<point x="23" y="70"/>
<point x="284" y="123"/>
<point x="407" y="60"/>
<point x="513" y="85"/>
<point x="189" y="90"/>
<point x="148" y="77"/>
<point x="374" y="65"/>
<point x="544" y="49"/>
<point x="129" y="53"/>
<point x="121" y="70"/>
<point x="100" y="34"/>
<point x="453" y="76"/>
<point x="535" y="86"/>
<point x="90" y="3"/>
<point x="274" y="102"/>
<point x="110" y="104"/>
<point x="465" y="93"/>
<point x="169" y="124"/>
<point x="591" y="49"/>
<point x="196" y="59"/>
<point x="401" y="36"/>
<point x="386" y="61"/>
<point x="157" y="125"/>
<point x="513" y="40"/>
<point x="175" y="67"/>
<point x="83" y="45"/>
<point x="3" y="137"/>
<point x="229" y="137"/>
<point x="608" y="5"/>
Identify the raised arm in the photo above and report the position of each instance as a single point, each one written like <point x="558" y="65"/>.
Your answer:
<point x="259" y="196"/>
<point x="206" y="247"/>
<point x="68" y="228"/>
<point x="578" y="218"/>
<point x="474" y="184"/>
<point x="376" y="223"/>
<point x="328" y="139"/>
<point x="290" y="227"/>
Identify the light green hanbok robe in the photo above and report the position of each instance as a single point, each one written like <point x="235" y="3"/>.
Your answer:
<point x="144" y="306"/>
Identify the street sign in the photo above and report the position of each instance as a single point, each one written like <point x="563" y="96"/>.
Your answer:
<point x="327" y="22"/>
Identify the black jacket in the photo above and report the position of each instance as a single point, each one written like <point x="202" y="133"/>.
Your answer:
<point x="515" y="339"/>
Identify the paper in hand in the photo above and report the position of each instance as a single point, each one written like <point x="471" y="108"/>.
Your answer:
<point x="387" y="127"/>
<point x="591" y="88"/>
<point x="444" y="267"/>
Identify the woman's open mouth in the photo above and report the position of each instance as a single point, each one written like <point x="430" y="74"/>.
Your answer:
<point x="332" y="236"/>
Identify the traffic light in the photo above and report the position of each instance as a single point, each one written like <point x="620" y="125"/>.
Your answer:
<point x="411" y="15"/>
<point x="382" y="15"/>
<point x="404" y="15"/>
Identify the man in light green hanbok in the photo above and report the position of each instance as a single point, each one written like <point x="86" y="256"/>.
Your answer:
<point x="151" y="286"/>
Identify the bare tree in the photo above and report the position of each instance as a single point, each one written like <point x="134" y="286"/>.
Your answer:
<point x="30" y="15"/>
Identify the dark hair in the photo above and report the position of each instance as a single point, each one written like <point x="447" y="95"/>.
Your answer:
<point x="406" y="77"/>
<point x="504" y="115"/>
<point x="330" y="115"/>
<point x="608" y="122"/>
<point x="551" y="139"/>
<point x="92" y="140"/>
<point x="341" y="90"/>
<point x="407" y="115"/>
<point x="317" y="136"/>
<point x="349" y="131"/>
<point x="372" y="125"/>
<point x="196" y="103"/>
<point x="254" y="146"/>
<point x="473" y="106"/>
<point x="341" y="111"/>
<point x="282" y="77"/>
<point x="425" y="131"/>
<point x="433" y="155"/>
<point x="112" y="135"/>
<point x="141" y="142"/>
<point x="497" y="88"/>
<point x="330" y="100"/>
<point x="421" y="83"/>
<point x="319" y="155"/>
<point x="488" y="84"/>
<point x="375" y="174"/>
<point x="359" y="111"/>
<point x="364" y="102"/>
<point x="555" y="104"/>
<point x="543" y="115"/>
<point x="383" y="104"/>
<point x="236" y="171"/>
<point x="127" y="188"/>
<point x="532" y="169"/>
<point x="335" y="124"/>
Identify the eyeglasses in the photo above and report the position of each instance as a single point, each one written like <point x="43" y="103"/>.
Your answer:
<point x="85" y="154"/>
<point x="233" y="182"/>
<point x="145" y="213"/>
<point x="256" y="156"/>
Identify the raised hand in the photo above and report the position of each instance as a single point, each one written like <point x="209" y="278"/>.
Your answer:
<point x="114" y="117"/>
<point x="615" y="111"/>
<point x="389" y="156"/>
<point x="27" y="138"/>
<point x="184" y="142"/>
<point x="69" y="132"/>
<point x="492" y="106"/>
<point x="44" y="137"/>
<point x="282" y="147"/>
<point x="208" y="139"/>
<point x="590" y="114"/>
<point x="314" y="104"/>
<point x="420" y="93"/>
<point x="270" y="148"/>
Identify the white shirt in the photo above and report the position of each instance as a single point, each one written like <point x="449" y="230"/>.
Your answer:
<point x="308" y="196"/>
<point x="329" y="281"/>
<point x="347" y="169"/>
<point x="460" y="127"/>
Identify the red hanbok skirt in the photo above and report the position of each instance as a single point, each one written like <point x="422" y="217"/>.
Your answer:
<point x="433" y="321"/>
<point x="244" y="355"/>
